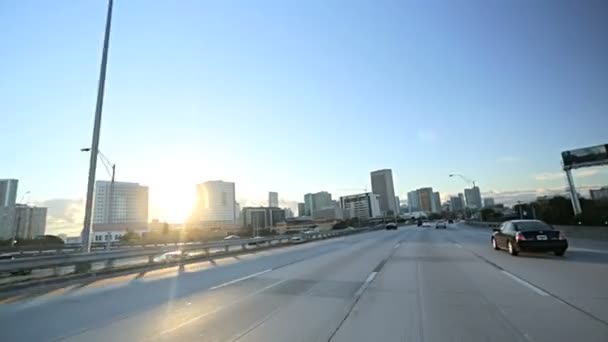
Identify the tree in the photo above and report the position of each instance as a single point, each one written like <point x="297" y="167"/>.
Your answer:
<point x="488" y="214"/>
<point x="130" y="237"/>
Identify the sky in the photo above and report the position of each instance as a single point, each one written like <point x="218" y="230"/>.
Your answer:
<point x="300" y="96"/>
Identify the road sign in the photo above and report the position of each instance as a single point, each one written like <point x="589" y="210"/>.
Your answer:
<point x="585" y="157"/>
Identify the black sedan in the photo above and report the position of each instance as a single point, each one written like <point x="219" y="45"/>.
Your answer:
<point x="529" y="236"/>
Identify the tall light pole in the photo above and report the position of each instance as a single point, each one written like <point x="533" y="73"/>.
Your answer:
<point x="111" y="170"/>
<point x="88" y="208"/>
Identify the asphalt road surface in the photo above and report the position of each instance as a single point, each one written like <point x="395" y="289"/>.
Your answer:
<point x="413" y="284"/>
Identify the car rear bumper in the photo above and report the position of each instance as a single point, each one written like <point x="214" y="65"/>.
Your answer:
<point x="542" y="246"/>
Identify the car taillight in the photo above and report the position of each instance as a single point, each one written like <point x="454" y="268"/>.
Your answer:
<point x="562" y="236"/>
<point x="519" y="237"/>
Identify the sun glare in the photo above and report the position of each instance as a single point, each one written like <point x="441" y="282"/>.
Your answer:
<point x="174" y="203"/>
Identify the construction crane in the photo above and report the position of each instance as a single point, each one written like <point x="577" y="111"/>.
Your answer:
<point x="463" y="178"/>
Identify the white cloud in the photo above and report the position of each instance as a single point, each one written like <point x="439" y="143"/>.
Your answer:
<point x="549" y="176"/>
<point x="586" y="173"/>
<point x="63" y="216"/>
<point x="544" y="176"/>
<point x="427" y="136"/>
<point x="507" y="159"/>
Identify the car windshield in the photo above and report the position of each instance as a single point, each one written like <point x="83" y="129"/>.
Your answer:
<point x="303" y="170"/>
<point x="531" y="226"/>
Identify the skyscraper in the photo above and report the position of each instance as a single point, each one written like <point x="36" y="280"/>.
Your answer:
<point x="456" y="203"/>
<point x="413" y="202"/>
<point x="425" y="198"/>
<point x="382" y="185"/>
<point x="273" y="199"/>
<point x="8" y="192"/>
<point x="8" y="197"/>
<point x="473" y="197"/>
<point x="436" y="203"/>
<point x="398" y="204"/>
<point x="120" y="203"/>
<point x="29" y="221"/>
<point x="216" y="203"/>
<point x="316" y="201"/>
<point x="301" y="209"/>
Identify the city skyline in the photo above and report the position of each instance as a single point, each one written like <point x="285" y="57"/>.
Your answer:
<point x="455" y="104"/>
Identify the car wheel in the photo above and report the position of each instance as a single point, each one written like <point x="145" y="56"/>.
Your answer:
<point x="560" y="252"/>
<point x="494" y="244"/>
<point x="512" y="249"/>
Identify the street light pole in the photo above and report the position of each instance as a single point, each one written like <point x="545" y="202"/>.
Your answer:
<point x="86" y="230"/>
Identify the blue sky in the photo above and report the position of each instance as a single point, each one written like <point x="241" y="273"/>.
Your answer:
<point x="302" y="96"/>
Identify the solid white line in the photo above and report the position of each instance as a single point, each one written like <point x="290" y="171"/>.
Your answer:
<point x="240" y="279"/>
<point x="196" y="318"/>
<point x="525" y="283"/>
<point x="371" y="277"/>
<point x="365" y="284"/>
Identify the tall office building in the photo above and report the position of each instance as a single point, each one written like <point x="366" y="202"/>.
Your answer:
<point x="301" y="209"/>
<point x="412" y="201"/>
<point x="216" y="203"/>
<point x="120" y="203"/>
<point x="8" y="197"/>
<point x="456" y="203"/>
<point x="8" y="192"/>
<point x="488" y="202"/>
<point x="29" y="221"/>
<point x="382" y="185"/>
<point x="436" y="203"/>
<point x="473" y="197"/>
<point x="273" y="199"/>
<point x="316" y="201"/>
<point x="362" y="206"/>
<point x="398" y="204"/>
<point x="425" y="199"/>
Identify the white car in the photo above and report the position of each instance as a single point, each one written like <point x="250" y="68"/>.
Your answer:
<point x="297" y="239"/>
<point x="169" y="256"/>
<point x="232" y="237"/>
<point x="426" y="223"/>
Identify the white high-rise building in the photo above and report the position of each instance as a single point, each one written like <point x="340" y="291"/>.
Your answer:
<point x="435" y="202"/>
<point x="473" y="197"/>
<point x="29" y="221"/>
<point x="382" y="185"/>
<point x="8" y="197"/>
<point x="273" y="199"/>
<point x="216" y="202"/>
<point x="120" y="203"/>
<point x="413" y="202"/>
<point x="362" y="206"/>
<point x="119" y="207"/>
<point x="8" y="192"/>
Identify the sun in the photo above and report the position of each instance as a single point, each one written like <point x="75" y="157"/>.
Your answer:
<point x="173" y="203"/>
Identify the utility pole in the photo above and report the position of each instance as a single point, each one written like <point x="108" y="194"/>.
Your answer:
<point x="86" y="236"/>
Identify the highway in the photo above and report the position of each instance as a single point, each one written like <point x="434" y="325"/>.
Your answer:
<point x="413" y="284"/>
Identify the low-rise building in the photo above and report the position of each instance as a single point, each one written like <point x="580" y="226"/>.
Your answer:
<point x="362" y="206"/>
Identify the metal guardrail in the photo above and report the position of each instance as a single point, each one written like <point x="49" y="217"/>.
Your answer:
<point x="87" y="259"/>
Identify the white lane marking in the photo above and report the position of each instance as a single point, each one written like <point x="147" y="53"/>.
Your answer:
<point x="587" y="250"/>
<point x="458" y="245"/>
<point x="369" y="279"/>
<point x="397" y="246"/>
<point x="240" y="279"/>
<point x="525" y="283"/>
<point x="217" y="309"/>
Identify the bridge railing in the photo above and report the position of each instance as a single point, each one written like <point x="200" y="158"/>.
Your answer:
<point x="82" y="262"/>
